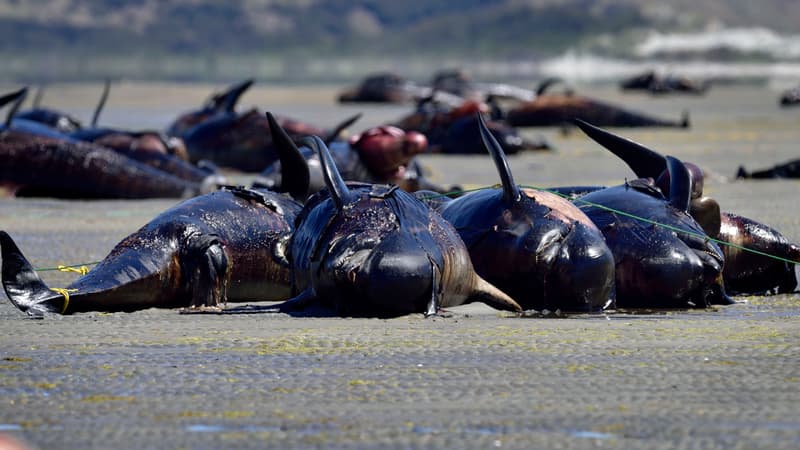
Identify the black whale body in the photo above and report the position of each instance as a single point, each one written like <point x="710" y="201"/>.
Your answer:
<point x="203" y="252"/>
<point x="656" y="267"/>
<point x="224" y="246"/>
<point x="375" y="250"/>
<point x="757" y="256"/>
<point x="534" y="245"/>
<point x="38" y="161"/>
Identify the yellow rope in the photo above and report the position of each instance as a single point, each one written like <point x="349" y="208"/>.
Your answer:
<point x="83" y="270"/>
<point x="65" y="293"/>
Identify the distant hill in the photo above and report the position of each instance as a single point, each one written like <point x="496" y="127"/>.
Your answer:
<point x="203" y="39"/>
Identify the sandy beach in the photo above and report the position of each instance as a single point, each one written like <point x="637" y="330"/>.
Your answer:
<point x="727" y="377"/>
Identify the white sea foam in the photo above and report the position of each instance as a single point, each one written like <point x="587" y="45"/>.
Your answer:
<point x="585" y="67"/>
<point x="653" y="53"/>
<point x="748" y="40"/>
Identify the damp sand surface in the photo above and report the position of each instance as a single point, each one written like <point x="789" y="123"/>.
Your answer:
<point x="721" y="378"/>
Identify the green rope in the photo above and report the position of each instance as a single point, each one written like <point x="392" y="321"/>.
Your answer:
<point x="565" y="196"/>
<point x="62" y="267"/>
<point x="451" y="193"/>
<point x="642" y="219"/>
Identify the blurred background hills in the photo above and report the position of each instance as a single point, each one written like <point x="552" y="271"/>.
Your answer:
<point x="332" y="40"/>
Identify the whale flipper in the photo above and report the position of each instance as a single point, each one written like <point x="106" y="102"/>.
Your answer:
<point x="209" y="271"/>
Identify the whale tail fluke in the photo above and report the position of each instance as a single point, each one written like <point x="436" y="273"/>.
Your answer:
<point x="22" y="284"/>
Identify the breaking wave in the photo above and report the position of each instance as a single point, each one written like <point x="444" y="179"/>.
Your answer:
<point x="586" y="67"/>
<point x="745" y="40"/>
<point x="689" y="54"/>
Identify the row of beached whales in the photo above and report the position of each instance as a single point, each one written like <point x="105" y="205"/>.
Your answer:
<point x="452" y="92"/>
<point x="371" y="249"/>
<point x="390" y="87"/>
<point x="48" y="153"/>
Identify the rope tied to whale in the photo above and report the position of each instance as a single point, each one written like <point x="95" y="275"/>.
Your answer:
<point x="81" y="269"/>
<point x="64" y="293"/>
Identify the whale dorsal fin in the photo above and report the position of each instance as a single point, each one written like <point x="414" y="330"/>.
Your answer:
<point x="339" y="192"/>
<point x="229" y="98"/>
<point x="8" y="98"/>
<point x="680" y="186"/>
<point x="511" y="192"/>
<point x="37" y="99"/>
<point x="102" y="103"/>
<point x="17" y="97"/>
<point x="643" y="161"/>
<point x="294" y="169"/>
<point x="341" y="127"/>
<point x="546" y="83"/>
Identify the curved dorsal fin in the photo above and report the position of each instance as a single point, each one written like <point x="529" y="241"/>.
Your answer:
<point x="339" y="192"/>
<point x="421" y="102"/>
<point x="229" y="99"/>
<point x="546" y="83"/>
<point x="17" y="97"/>
<point x="294" y="170"/>
<point x="341" y="127"/>
<point x="37" y="99"/>
<point x="511" y="192"/>
<point x="5" y="99"/>
<point x="643" y="161"/>
<point x="102" y="103"/>
<point x="680" y="186"/>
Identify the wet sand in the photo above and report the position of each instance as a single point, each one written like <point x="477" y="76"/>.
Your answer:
<point x="722" y="378"/>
